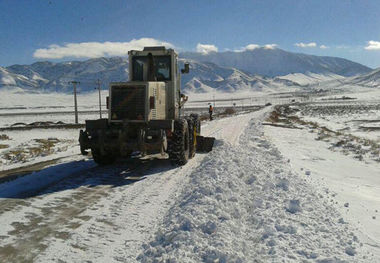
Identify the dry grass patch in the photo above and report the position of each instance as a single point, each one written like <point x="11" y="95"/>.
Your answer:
<point x="226" y="112"/>
<point x="47" y="143"/>
<point x="4" y="137"/>
<point x="229" y="111"/>
<point x="40" y="147"/>
<point x="274" y="116"/>
<point x="17" y="155"/>
<point x="204" y="117"/>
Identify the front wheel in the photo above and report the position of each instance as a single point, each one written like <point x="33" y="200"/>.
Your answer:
<point x="179" y="145"/>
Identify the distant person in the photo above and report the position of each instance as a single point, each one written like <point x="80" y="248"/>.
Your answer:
<point x="210" y="111"/>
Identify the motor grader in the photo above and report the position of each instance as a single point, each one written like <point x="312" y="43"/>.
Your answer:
<point x="145" y="114"/>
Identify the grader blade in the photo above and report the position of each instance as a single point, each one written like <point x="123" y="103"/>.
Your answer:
<point x="205" y="144"/>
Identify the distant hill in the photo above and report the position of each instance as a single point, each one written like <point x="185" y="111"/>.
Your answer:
<point x="277" y="62"/>
<point x="206" y="77"/>
<point x="225" y="71"/>
<point x="307" y="79"/>
<point x="371" y="79"/>
<point x="48" y="76"/>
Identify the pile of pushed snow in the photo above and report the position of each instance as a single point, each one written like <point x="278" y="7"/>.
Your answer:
<point x="243" y="204"/>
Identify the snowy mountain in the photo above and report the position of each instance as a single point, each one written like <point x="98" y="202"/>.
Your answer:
<point x="277" y="62"/>
<point x="13" y="80"/>
<point x="225" y="72"/>
<point x="203" y="77"/>
<point x="50" y="76"/>
<point x="308" y="78"/>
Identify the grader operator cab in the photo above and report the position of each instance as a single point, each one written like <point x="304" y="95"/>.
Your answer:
<point x="144" y="114"/>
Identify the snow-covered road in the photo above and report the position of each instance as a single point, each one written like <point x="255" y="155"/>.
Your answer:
<point x="94" y="213"/>
<point x="240" y="203"/>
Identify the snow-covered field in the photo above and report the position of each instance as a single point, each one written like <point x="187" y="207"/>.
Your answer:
<point x="246" y="201"/>
<point x="357" y="117"/>
<point x="25" y="147"/>
<point x="305" y="190"/>
<point x="23" y="107"/>
<point x="13" y="101"/>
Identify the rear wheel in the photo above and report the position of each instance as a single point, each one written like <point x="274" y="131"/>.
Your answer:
<point x="197" y="122"/>
<point x="197" y="129"/>
<point x="192" y="137"/>
<point x="101" y="159"/>
<point x="179" y="145"/>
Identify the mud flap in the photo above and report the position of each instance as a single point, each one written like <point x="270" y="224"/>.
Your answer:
<point x="205" y="144"/>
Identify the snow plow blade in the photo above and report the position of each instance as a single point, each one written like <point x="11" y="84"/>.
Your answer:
<point x="205" y="144"/>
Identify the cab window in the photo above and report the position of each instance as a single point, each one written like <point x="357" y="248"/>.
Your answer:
<point x="162" y="68"/>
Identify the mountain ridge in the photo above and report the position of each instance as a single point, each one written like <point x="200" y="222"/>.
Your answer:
<point x="205" y="76"/>
<point x="277" y="62"/>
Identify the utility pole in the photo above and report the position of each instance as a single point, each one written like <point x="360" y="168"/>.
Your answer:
<point x="100" y="99"/>
<point x="75" y="99"/>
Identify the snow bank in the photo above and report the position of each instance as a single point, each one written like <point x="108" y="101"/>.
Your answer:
<point x="350" y="184"/>
<point x="244" y="204"/>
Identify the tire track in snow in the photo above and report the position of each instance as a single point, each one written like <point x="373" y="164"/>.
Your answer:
<point x="138" y="218"/>
<point x="43" y="216"/>
<point x="85" y="216"/>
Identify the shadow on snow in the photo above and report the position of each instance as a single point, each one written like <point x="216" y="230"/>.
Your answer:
<point x="78" y="174"/>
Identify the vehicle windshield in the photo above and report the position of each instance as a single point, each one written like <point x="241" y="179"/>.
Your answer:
<point x="161" y="68"/>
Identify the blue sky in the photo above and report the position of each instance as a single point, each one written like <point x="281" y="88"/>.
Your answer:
<point x="35" y="30"/>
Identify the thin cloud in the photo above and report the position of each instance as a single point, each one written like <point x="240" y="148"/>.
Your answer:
<point x="270" y="46"/>
<point x="96" y="49"/>
<point x="247" y="48"/>
<point x="251" y="47"/>
<point x="373" y="45"/>
<point x="342" y="47"/>
<point x="255" y="46"/>
<point x="323" y="47"/>
<point x="306" y="45"/>
<point x="206" y="48"/>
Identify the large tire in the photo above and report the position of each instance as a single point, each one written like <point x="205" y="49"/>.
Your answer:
<point x="179" y="144"/>
<point x="192" y="138"/>
<point x="197" y="122"/>
<point x="100" y="159"/>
